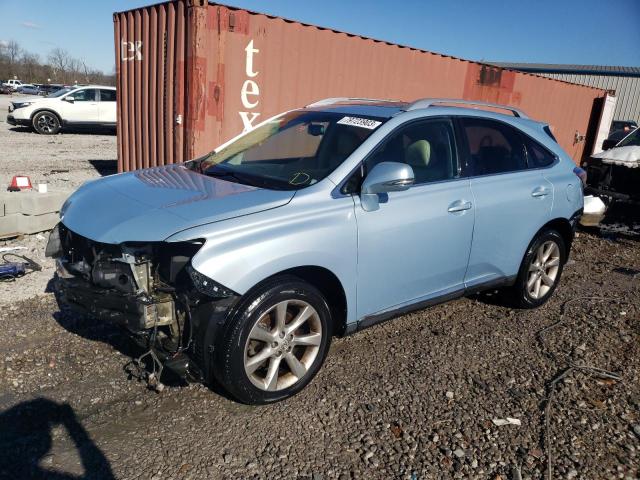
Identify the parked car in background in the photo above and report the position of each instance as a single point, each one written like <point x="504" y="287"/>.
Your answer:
<point x="28" y="89"/>
<point x="614" y="174"/>
<point x="241" y="265"/>
<point x="13" y="84"/>
<point x="4" y="89"/>
<point x="48" y="89"/>
<point x="92" y="106"/>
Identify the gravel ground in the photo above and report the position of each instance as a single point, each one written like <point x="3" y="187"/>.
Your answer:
<point x="413" y="398"/>
<point x="64" y="162"/>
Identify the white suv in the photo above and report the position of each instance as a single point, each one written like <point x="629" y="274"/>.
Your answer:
<point x="13" y="84"/>
<point x="89" y="106"/>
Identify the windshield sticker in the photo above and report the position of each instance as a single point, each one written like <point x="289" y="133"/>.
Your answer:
<point x="360" y="122"/>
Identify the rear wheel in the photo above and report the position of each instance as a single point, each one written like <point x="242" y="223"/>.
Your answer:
<point x="274" y="343"/>
<point x="540" y="270"/>
<point x="46" y="123"/>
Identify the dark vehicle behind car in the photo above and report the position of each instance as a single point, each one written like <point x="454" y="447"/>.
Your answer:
<point x="616" y="180"/>
<point x="619" y="130"/>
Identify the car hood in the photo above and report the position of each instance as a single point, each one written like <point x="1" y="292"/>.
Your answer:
<point x="153" y="204"/>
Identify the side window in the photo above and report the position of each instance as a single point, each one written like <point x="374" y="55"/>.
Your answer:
<point x="494" y="147"/>
<point x="107" y="95"/>
<point x="538" y="156"/>
<point x="85" y="95"/>
<point x="427" y="146"/>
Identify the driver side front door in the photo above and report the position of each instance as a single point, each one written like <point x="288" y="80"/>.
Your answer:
<point x="415" y="248"/>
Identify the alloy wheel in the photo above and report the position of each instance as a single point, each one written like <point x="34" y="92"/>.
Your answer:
<point x="47" y="122"/>
<point x="543" y="270"/>
<point x="282" y="345"/>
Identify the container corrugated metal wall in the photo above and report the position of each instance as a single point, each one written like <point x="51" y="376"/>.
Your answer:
<point x="627" y="91"/>
<point x="192" y="75"/>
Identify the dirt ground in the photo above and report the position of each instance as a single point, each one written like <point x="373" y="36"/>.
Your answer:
<point x="418" y="397"/>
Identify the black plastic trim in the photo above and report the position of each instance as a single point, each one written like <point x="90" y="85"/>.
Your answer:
<point x="377" y="318"/>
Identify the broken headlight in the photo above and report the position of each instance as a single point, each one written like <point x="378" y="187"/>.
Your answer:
<point x="206" y="286"/>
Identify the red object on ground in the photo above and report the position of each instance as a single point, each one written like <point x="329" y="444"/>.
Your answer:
<point x="20" y="182"/>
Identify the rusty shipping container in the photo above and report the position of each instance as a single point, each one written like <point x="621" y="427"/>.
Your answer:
<point x="193" y="74"/>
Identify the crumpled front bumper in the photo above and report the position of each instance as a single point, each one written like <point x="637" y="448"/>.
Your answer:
<point x="135" y="312"/>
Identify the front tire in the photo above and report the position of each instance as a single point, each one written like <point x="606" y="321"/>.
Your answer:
<point x="274" y="342"/>
<point x="46" y="123"/>
<point x="540" y="271"/>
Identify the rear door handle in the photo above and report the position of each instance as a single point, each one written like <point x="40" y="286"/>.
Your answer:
<point x="459" y="206"/>
<point x="540" y="192"/>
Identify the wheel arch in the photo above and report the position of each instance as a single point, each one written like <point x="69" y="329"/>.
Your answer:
<point x="45" y="109"/>
<point x="563" y="227"/>
<point x="329" y="285"/>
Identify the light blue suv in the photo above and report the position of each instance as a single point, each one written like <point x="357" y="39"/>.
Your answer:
<point x="240" y="266"/>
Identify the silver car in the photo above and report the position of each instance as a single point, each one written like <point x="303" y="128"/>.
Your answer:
<point x="240" y="266"/>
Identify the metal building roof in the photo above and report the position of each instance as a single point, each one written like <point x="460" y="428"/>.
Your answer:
<point x="568" y="68"/>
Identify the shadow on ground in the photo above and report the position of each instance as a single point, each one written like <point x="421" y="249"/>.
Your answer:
<point x="70" y="130"/>
<point x="105" y="167"/>
<point x="26" y="437"/>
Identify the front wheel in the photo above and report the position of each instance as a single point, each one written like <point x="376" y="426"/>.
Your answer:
<point x="540" y="271"/>
<point x="46" y="123"/>
<point x="274" y="343"/>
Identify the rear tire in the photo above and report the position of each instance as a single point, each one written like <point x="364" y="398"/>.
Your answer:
<point x="46" y="123"/>
<point x="540" y="271"/>
<point x="273" y="343"/>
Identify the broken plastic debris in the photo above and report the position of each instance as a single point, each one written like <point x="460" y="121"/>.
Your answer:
<point x="11" y="249"/>
<point x="499" y="422"/>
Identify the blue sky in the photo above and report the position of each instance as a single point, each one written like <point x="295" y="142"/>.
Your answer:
<point x="549" y="31"/>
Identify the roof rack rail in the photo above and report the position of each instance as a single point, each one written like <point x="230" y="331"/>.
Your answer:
<point x="331" y="101"/>
<point x="429" y="102"/>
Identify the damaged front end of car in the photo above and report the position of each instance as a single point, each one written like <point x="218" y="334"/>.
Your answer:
<point x="149" y="288"/>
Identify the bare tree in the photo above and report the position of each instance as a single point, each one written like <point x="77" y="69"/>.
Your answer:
<point x="13" y="51"/>
<point x="59" y="59"/>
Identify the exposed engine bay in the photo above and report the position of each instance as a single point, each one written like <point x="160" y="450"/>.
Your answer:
<point x="149" y="288"/>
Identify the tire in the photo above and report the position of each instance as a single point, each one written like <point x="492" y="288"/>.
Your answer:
<point x="260" y="355"/>
<point x="540" y="271"/>
<point x="46" y="123"/>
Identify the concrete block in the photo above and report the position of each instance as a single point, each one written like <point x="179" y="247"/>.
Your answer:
<point x="32" y="202"/>
<point x="18" y="224"/>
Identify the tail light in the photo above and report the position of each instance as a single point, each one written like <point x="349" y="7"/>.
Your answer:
<point x="582" y="175"/>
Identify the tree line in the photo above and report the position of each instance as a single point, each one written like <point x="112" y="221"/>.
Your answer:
<point x="59" y="67"/>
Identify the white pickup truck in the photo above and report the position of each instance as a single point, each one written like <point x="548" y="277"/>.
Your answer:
<point x="13" y="84"/>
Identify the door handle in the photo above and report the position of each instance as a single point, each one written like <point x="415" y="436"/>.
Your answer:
<point x="459" y="206"/>
<point x="540" y="192"/>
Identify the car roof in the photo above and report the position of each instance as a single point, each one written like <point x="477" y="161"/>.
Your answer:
<point x="367" y="108"/>
<point x="390" y="108"/>
<point x="94" y="86"/>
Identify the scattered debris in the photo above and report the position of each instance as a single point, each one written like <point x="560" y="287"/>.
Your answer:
<point x="500" y="422"/>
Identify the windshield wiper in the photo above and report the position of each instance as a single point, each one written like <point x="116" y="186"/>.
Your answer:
<point x="228" y="174"/>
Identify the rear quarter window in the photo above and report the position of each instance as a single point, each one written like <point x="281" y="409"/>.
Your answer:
<point x="537" y="155"/>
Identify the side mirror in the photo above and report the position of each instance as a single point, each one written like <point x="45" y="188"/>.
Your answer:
<point x="385" y="177"/>
<point x="608" y="144"/>
<point x="69" y="99"/>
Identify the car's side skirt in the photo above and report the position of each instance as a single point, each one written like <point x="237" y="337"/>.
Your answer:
<point x="377" y="318"/>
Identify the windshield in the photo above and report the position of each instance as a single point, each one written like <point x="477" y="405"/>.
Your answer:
<point x="631" y="140"/>
<point x="292" y="151"/>
<point x="59" y="93"/>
